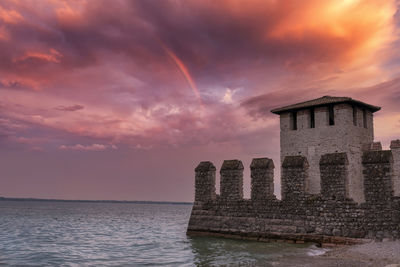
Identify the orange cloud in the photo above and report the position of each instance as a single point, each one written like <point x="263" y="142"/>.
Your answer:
<point x="361" y="26"/>
<point x="54" y="56"/>
<point x="10" y="16"/>
<point x="4" y="34"/>
<point x="69" y="12"/>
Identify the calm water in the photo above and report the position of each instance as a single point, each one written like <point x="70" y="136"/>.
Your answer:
<point x="120" y="234"/>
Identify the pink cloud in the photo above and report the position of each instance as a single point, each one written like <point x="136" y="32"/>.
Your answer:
<point x="52" y="56"/>
<point x="11" y="125"/>
<point x="37" y="148"/>
<point x="93" y="147"/>
<point x="24" y="140"/>
<point x="70" y="108"/>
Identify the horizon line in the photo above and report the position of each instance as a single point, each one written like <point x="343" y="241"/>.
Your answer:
<point x="94" y="201"/>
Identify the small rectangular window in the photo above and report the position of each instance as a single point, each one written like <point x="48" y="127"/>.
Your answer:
<point x="354" y="116"/>
<point x="293" y="120"/>
<point x="312" y="118"/>
<point x="331" y="115"/>
<point x="365" y="118"/>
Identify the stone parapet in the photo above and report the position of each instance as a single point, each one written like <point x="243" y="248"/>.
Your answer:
<point x="376" y="146"/>
<point x="262" y="179"/>
<point x="294" y="177"/>
<point x="378" y="172"/>
<point x="232" y="180"/>
<point x="334" y="176"/>
<point x="395" y="144"/>
<point x="334" y="159"/>
<point x="395" y="147"/>
<point x="205" y="182"/>
<point x="372" y="157"/>
<point x="295" y="162"/>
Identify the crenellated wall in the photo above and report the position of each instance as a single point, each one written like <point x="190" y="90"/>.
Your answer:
<point x="329" y="217"/>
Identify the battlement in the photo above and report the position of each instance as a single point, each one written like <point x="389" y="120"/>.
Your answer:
<point x="231" y="180"/>
<point x="378" y="169"/>
<point x="262" y="179"/>
<point x="334" y="176"/>
<point x="329" y="216"/>
<point x="205" y="182"/>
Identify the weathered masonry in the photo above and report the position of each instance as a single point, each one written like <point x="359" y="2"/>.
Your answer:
<point x="338" y="186"/>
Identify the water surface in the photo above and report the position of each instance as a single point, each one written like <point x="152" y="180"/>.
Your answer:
<point x="36" y="233"/>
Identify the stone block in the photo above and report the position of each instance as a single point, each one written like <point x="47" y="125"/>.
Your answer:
<point x="372" y="157"/>
<point x="334" y="159"/>
<point x="395" y="144"/>
<point x="295" y="162"/>
<point x="376" y="146"/>
<point x="233" y="164"/>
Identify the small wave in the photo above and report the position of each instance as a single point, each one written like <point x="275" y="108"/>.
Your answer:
<point x="316" y="251"/>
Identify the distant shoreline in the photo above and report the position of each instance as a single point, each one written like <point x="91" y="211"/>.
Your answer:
<point x="95" y="201"/>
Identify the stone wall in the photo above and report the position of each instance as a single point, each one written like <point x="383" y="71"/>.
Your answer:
<point x="301" y="216"/>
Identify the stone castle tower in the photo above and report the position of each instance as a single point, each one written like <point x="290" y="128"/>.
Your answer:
<point x="328" y="125"/>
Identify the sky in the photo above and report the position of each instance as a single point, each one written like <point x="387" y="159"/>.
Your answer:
<point x="122" y="99"/>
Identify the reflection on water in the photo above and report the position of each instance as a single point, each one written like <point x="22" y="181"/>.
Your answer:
<point x="210" y="251"/>
<point x="119" y="234"/>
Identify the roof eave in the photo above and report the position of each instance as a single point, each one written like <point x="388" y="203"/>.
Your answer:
<point x="372" y="108"/>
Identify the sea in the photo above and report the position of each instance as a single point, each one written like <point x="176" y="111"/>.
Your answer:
<point x="54" y="233"/>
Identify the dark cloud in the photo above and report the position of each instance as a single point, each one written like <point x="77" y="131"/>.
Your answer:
<point x="70" y="108"/>
<point x="260" y="106"/>
<point x="219" y="41"/>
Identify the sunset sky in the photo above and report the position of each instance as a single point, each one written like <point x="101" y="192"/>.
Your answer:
<point x="122" y="99"/>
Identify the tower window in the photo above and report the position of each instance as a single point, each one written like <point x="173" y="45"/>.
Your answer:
<point x="312" y="118"/>
<point x="365" y="118"/>
<point x="331" y="115"/>
<point x="293" y="120"/>
<point x="354" y="116"/>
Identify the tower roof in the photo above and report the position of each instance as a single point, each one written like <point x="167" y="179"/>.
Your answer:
<point x="323" y="101"/>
